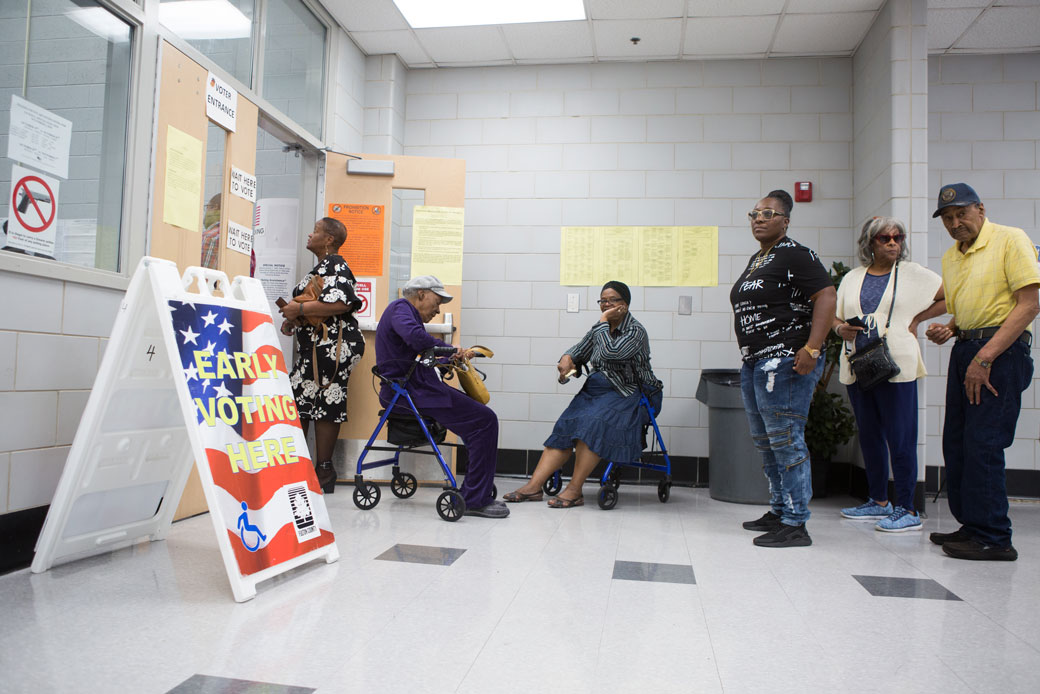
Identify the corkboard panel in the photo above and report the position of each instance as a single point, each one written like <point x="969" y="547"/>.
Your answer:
<point x="444" y="184"/>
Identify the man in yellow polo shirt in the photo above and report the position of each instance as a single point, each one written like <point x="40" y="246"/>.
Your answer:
<point x="991" y="278"/>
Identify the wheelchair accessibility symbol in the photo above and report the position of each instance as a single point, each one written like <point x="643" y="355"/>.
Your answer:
<point x="245" y="526"/>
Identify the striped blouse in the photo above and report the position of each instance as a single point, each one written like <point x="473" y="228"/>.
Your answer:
<point x="623" y="356"/>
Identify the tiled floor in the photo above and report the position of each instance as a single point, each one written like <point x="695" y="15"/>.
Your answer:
<point x="578" y="600"/>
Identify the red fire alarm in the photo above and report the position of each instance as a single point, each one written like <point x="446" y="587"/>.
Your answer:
<point x="803" y="191"/>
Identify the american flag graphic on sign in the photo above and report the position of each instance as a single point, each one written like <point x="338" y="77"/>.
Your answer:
<point x="255" y="448"/>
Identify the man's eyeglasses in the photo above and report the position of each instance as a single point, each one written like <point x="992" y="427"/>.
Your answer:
<point x="608" y="302"/>
<point x="765" y="214"/>
<point x="885" y="238"/>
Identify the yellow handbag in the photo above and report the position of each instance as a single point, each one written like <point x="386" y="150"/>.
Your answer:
<point x="472" y="379"/>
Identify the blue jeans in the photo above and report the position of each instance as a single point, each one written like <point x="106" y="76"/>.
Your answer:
<point x="886" y="418"/>
<point x="776" y="401"/>
<point x="975" y="436"/>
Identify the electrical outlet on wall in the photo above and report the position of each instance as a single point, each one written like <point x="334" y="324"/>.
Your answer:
<point x="572" y="303"/>
<point x="685" y="305"/>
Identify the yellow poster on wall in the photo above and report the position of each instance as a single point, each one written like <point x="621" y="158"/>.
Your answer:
<point x="437" y="243"/>
<point x="182" y="195"/>
<point x="640" y="256"/>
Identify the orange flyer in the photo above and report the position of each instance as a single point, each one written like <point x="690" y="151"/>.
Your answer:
<point x="363" y="250"/>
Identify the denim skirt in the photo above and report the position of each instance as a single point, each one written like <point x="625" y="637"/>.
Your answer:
<point x="609" y="423"/>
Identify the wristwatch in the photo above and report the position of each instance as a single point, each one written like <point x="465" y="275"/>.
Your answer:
<point x="814" y="353"/>
<point x="982" y="362"/>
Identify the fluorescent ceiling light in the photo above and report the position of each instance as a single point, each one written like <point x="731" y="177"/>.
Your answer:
<point x="426" y="14"/>
<point x="99" y="21"/>
<point x="205" y="19"/>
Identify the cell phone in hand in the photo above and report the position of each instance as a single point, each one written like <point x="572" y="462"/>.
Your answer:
<point x="856" y="322"/>
<point x="280" y="302"/>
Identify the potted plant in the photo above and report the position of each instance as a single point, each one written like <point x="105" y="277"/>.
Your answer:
<point x="830" y="422"/>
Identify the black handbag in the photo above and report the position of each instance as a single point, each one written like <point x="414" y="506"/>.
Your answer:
<point x="873" y="364"/>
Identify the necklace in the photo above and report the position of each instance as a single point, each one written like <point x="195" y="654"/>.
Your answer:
<point x="760" y="259"/>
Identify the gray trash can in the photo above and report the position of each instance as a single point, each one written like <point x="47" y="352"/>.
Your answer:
<point x="734" y="464"/>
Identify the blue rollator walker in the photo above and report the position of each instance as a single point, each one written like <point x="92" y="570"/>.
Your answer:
<point x="611" y="479"/>
<point x="404" y="436"/>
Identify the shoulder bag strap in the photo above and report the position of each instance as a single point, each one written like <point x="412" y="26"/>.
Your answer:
<point x="895" y="284"/>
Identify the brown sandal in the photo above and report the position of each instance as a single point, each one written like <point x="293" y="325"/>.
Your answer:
<point x="560" y="502"/>
<point x="517" y="497"/>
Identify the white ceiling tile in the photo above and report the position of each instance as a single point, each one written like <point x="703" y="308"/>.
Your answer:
<point x="464" y="44"/>
<point x="627" y="9"/>
<point x="1004" y="27"/>
<point x="946" y="26"/>
<point x="658" y="38"/>
<point x="952" y="4"/>
<point x="728" y="8"/>
<point x="1016" y="3"/>
<point x="714" y="36"/>
<point x="402" y="43"/>
<point x="804" y="34"/>
<point x="370" y="15"/>
<point x="549" y="40"/>
<point x="830" y="6"/>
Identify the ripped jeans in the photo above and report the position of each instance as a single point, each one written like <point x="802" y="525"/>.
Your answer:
<point x="776" y="401"/>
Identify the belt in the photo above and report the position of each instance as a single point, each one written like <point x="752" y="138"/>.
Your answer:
<point x="986" y="333"/>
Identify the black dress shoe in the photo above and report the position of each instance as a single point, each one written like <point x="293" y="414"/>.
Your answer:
<point x="785" y="536"/>
<point x="766" y="523"/>
<point x="959" y="535"/>
<point x="978" y="551"/>
<point x="326" y="477"/>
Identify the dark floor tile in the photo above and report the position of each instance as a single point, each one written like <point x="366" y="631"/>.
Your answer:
<point x="421" y="554"/>
<point x="891" y="587"/>
<point x="205" y="684"/>
<point x="649" y="571"/>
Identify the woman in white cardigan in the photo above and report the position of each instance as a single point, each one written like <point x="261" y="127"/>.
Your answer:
<point x="886" y="415"/>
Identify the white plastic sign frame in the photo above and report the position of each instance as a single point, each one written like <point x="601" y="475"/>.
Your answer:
<point x="142" y="431"/>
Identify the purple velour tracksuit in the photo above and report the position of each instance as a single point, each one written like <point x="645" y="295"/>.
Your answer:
<point x="399" y="338"/>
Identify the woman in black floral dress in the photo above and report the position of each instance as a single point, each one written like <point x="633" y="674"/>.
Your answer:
<point x="321" y="393"/>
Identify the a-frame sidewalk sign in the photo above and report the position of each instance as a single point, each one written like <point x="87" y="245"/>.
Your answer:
<point x="189" y="377"/>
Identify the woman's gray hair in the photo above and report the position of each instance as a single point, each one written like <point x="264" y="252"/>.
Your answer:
<point x="873" y="227"/>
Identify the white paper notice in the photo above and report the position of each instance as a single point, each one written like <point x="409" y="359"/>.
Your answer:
<point x="243" y="185"/>
<point x="38" y="138"/>
<point x="274" y="269"/>
<point x="239" y="238"/>
<point x="32" y="211"/>
<point x="221" y="102"/>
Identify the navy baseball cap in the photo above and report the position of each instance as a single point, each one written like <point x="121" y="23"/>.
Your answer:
<point x="956" y="195"/>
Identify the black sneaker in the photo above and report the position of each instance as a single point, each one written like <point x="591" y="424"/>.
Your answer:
<point x="978" y="551"/>
<point x="785" y="536"/>
<point x="766" y="523"/>
<point x="959" y="535"/>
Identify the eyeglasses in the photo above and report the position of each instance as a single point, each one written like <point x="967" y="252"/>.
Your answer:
<point x="765" y="214"/>
<point x="885" y="238"/>
<point x="608" y="302"/>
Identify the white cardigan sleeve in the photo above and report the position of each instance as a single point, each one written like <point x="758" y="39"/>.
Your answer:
<point x="915" y="292"/>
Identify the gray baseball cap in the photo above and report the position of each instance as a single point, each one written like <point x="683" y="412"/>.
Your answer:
<point x="430" y="283"/>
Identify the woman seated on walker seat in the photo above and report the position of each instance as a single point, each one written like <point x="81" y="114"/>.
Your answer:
<point x="605" y="419"/>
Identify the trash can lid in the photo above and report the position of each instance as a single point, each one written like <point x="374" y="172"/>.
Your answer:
<point x="719" y="377"/>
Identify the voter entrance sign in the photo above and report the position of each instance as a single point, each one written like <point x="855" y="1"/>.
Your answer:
<point x="190" y="377"/>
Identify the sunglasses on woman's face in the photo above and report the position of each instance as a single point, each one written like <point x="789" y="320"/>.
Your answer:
<point x="885" y="238"/>
<point x="765" y="214"/>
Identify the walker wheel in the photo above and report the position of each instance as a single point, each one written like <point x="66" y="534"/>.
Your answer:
<point x="553" y="485"/>
<point x="615" y="479"/>
<point x="664" y="490"/>
<point x="450" y="506"/>
<point x="608" y="497"/>
<point x="366" y="495"/>
<point x="403" y="485"/>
